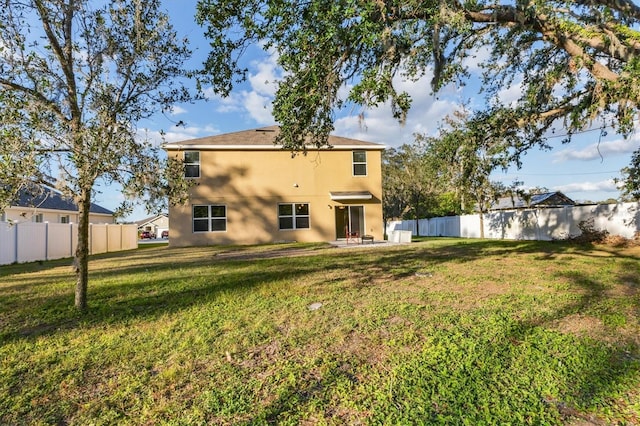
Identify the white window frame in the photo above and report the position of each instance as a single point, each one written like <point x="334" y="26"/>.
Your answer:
<point x="38" y="218"/>
<point x="191" y="164"/>
<point x="294" y="216"/>
<point x="65" y="218"/>
<point x="355" y="163"/>
<point x="209" y="218"/>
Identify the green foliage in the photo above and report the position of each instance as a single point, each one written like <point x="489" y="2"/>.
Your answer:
<point x="447" y="204"/>
<point x="589" y="233"/>
<point x="443" y="175"/>
<point x="631" y="181"/>
<point x="72" y="92"/>
<point x="76" y="78"/>
<point x="469" y="148"/>
<point x="409" y="186"/>
<point x="576" y="61"/>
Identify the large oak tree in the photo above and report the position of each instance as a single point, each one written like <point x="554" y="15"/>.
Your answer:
<point x="76" y="76"/>
<point x="575" y="60"/>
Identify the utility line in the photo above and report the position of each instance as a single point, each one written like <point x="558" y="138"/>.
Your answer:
<point x="562" y="174"/>
<point x="596" y="129"/>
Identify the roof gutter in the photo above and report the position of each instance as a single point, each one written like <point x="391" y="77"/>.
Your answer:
<point x="181" y="147"/>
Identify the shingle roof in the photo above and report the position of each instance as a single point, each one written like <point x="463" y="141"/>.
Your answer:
<point x="150" y="219"/>
<point x="261" y="138"/>
<point x="548" y="199"/>
<point x="53" y="200"/>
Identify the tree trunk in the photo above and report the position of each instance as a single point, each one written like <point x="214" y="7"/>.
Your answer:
<point x="81" y="260"/>
<point x="384" y="227"/>
<point x="481" y="224"/>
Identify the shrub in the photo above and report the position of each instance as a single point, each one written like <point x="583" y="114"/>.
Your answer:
<point x="589" y="233"/>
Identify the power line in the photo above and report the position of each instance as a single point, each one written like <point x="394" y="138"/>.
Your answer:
<point x="576" y="133"/>
<point x="562" y="174"/>
<point x="597" y="129"/>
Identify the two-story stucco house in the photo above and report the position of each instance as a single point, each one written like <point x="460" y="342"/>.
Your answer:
<point x="248" y="190"/>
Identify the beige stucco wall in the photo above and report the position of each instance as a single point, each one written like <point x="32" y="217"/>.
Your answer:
<point x="252" y="183"/>
<point x="25" y="214"/>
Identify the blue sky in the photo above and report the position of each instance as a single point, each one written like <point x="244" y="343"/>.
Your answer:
<point x="583" y="169"/>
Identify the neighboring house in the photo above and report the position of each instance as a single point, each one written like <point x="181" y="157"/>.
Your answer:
<point x="249" y="190"/>
<point x="51" y="206"/>
<point x="547" y="199"/>
<point x="154" y="224"/>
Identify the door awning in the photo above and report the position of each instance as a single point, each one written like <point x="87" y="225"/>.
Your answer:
<point x="350" y="195"/>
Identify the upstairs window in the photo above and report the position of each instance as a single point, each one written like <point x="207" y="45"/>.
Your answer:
<point x="293" y="216"/>
<point x="359" y="163"/>
<point x="192" y="164"/>
<point x="38" y="218"/>
<point x="64" y="218"/>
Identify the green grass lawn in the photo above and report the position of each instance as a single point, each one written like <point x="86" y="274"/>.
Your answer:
<point x="443" y="331"/>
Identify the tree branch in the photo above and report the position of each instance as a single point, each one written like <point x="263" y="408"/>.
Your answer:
<point x="551" y="33"/>
<point x="35" y="96"/>
<point x="64" y="55"/>
<point x="628" y="8"/>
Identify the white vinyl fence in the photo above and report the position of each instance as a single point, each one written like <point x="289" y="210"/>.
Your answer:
<point x="531" y="224"/>
<point x="30" y="242"/>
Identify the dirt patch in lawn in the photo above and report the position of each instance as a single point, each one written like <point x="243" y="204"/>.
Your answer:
<point x="589" y="326"/>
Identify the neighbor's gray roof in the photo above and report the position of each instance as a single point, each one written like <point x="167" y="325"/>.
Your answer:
<point x="261" y="138"/>
<point x="548" y="199"/>
<point x="53" y="200"/>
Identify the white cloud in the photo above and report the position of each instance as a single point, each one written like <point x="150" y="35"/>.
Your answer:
<point x="597" y="151"/>
<point x="265" y="80"/>
<point x="474" y="62"/>
<point x="378" y="125"/>
<point x="177" y="110"/>
<point x="255" y="100"/>
<point x="231" y="103"/>
<point x="189" y="132"/>
<point x="208" y="130"/>
<point x="259" y="107"/>
<point x="177" y="134"/>
<point x="510" y="95"/>
<point x="604" y="186"/>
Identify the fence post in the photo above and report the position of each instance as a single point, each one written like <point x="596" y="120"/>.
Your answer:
<point x="46" y="240"/>
<point x="15" y="244"/>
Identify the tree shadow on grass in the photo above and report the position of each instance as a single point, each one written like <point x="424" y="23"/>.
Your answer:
<point x="596" y="370"/>
<point x="124" y="294"/>
<point x="511" y="368"/>
<point x="148" y="285"/>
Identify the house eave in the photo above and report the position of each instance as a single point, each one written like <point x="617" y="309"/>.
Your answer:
<point x="187" y="147"/>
